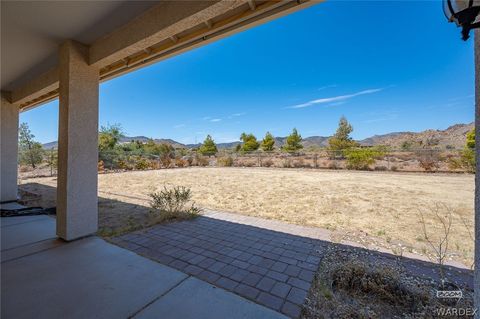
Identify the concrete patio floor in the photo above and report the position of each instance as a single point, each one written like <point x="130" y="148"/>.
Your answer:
<point x="43" y="277"/>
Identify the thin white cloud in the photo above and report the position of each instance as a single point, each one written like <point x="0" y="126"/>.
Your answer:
<point x="236" y="115"/>
<point x="327" y="87"/>
<point x="459" y="98"/>
<point x="206" y="118"/>
<point x="215" y="120"/>
<point x="334" y="98"/>
<point x="179" y="125"/>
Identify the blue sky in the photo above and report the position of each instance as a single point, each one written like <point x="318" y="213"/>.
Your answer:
<point x="387" y="66"/>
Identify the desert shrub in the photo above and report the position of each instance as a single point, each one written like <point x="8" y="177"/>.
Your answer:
<point x="201" y="160"/>
<point x="24" y="168"/>
<point x="394" y="168"/>
<point x="267" y="163"/>
<point x="100" y="166"/>
<point x="189" y="160"/>
<point x="166" y="161"/>
<point x="287" y="163"/>
<point x="142" y="164"/>
<point x="362" y="158"/>
<point x="154" y="164"/>
<point x="299" y="163"/>
<point x="121" y="164"/>
<point x="383" y="283"/>
<point x="226" y="161"/>
<point x="180" y="162"/>
<point x="465" y="160"/>
<point x="174" y="203"/>
<point x="246" y="163"/>
<point x="380" y="168"/>
<point x="333" y="165"/>
<point x="428" y="160"/>
<point x="438" y="240"/>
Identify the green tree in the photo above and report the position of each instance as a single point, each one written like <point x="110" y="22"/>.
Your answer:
<point x="268" y="142"/>
<point x="208" y="147"/>
<point x="467" y="159"/>
<point x="52" y="160"/>
<point x="470" y="143"/>
<point x="109" y="136"/>
<point x="250" y="143"/>
<point x="31" y="151"/>
<point x="341" y="139"/>
<point x="468" y="153"/>
<point x="293" y="142"/>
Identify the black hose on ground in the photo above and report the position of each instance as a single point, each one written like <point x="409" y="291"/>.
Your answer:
<point x="28" y="211"/>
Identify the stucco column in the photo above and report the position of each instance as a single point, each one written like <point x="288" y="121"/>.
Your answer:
<point x="8" y="150"/>
<point x="477" y="171"/>
<point x="77" y="208"/>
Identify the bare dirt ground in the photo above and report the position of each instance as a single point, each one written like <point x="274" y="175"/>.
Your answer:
<point x="371" y="208"/>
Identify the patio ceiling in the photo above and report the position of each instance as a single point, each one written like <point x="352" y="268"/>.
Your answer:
<point x="122" y="36"/>
<point x="33" y="30"/>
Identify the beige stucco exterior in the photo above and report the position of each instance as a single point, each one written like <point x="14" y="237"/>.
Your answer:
<point x="9" y="150"/>
<point x="77" y="208"/>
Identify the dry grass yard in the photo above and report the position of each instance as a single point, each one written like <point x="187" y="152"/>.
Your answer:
<point x="373" y="208"/>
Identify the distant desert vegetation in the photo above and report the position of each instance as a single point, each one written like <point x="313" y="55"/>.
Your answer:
<point x="373" y="208"/>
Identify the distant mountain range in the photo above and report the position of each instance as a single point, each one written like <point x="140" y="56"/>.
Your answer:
<point x="452" y="137"/>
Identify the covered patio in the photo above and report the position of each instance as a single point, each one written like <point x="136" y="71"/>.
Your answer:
<point x="55" y="268"/>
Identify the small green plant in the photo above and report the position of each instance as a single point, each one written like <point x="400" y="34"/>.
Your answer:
<point x="381" y="232"/>
<point x="362" y="158"/>
<point x="142" y="164"/>
<point x="173" y="203"/>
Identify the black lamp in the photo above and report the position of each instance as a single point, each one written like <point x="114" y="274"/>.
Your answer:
<point x="465" y="14"/>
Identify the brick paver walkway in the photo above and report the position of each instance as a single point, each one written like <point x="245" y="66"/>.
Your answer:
<point x="269" y="262"/>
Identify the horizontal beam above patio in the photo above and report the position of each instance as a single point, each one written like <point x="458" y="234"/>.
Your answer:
<point x="159" y="23"/>
<point x="40" y="89"/>
<point x="167" y="29"/>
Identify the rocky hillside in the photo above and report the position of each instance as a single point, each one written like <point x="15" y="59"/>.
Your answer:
<point x="452" y="137"/>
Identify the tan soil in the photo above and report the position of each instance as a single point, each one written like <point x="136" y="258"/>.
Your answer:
<point x="383" y="205"/>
